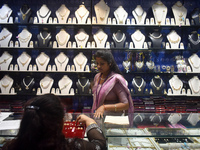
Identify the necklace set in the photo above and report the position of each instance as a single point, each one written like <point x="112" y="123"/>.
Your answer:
<point x="44" y="39"/>
<point x="63" y="12"/>
<point x="24" y="14"/>
<point x="80" y="63"/>
<point x="157" y="87"/>
<point x="100" y="39"/>
<point x="139" y="86"/>
<point x="83" y="86"/>
<point x="120" y="40"/>
<point x="21" y="61"/>
<point x="61" y="62"/>
<point x="45" y="60"/>
<point x="174" y="84"/>
<point x="27" y="85"/>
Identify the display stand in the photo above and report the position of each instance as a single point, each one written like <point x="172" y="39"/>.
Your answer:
<point x="194" y="62"/>
<point x="44" y="38"/>
<point x="23" y="61"/>
<point x="102" y="11"/>
<point x="83" y="85"/>
<point x="5" y="37"/>
<point x="42" y="61"/>
<point x="81" y="38"/>
<point x="194" y="84"/>
<point x="139" y="15"/>
<point x="65" y="85"/>
<point x="62" y="14"/>
<point x="82" y="14"/>
<point x="157" y="85"/>
<point x="156" y="38"/>
<point x="62" y="38"/>
<point x="5" y="84"/>
<point x="195" y="16"/>
<point x="5" y="60"/>
<point x="24" y="37"/>
<point x="46" y="84"/>
<point x="43" y="14"/>
<point x="80" y="61"/>
<point x="139" y="85"/>
<point x="24" y="14"/>
<point x="120" y="15"/>
<point x="61" y="61"/>
<point x="100" y="38"/>
<point x="119" y="38"/>
<point x="176" y="85"/>
<point x="5" y="13"/>
<point x="180" y="13"/>
<point x="138" y="39"/>
<point x="174" y="39"/>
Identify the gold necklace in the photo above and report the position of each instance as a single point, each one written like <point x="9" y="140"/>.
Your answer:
<point x="100" y="40"/>
<point x="173" y="41"/>
<point x="6" y="15"/>
<point x="45" y="87"/>
<point x="126" y="64"/>
<point x="104" y="14"/>
<point x="193" y="64"/>
<point x="64" y="13"/>
<point x="65" y="86"/>
<point x="82" y="15"/>
<point x="197" y="91"/>
<point x="24" y="40"/>
<point x="5" y="59"/>
<point x="4" y="84"/>
<point x="59" y="42"/>
<point x="42" y="63"/>
<point x="139" y="17"/>
<point x="138" y="39"/>
<point x="139" y="64"/>
<point x="24" y="14"/>
<point x="173" y="85"/>
<point x="159" y="21"/>
<point x="27" y="86"/>
<point x="60" y="61"/>
<point x="24" y="63"/>
<point x="138" y="86"/>
<point x="44" y="39"/>
<point x="5" y="36"/>
<point x="83" y="86"/>
<point x="80" y="64"/>
<point x="157" y="87"/>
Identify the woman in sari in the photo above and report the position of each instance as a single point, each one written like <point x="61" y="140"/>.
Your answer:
<point x="110" y="90"/>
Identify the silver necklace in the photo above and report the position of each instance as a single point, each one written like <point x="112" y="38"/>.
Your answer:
<point x="192" y="41"/>
<point x="139" y="64"/>
<point x="115" y="38"/>
<point x="126" y="65"/>
<point x="83" y="86"/>
<point x="157" y="87"/>
<point x="27" y="86"/>
<point x="44" y="39"/>
<point x="155" y="37"/>
<point x="138" y="86"/>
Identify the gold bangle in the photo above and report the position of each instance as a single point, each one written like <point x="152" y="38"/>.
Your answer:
<point x="92" y="123"/>
<point x="115" y="108"/>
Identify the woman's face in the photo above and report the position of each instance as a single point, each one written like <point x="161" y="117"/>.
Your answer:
<point x="102" y="65"/>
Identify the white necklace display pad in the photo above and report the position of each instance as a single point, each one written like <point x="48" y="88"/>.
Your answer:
<point x="61" y="61"/>
<point x="81" y="14"/>
<point x="138" y="39"/>
<point x="194" y="61"/>
<point x="176" y="85"/>
<point x="43" y="14"/>
<point x="174" y="39"/>
<point x="24" y="37"/>
<point x="80" y="61"/>
<point x="5" y="13"/>
<point x="102" y="11"/>
<point x="42" y="61"/>
<point x="65" y="85"/>
<point x="62" y="38"/>
<point x="139" y="14"/>
<point x="5" y="60"/>
<point x="100" y="38"/>
<point x="62" y="14"/>
<point x="46" y="84"/>
<point x="174" y="118"/>
<point x="120" y="15"/>
<point x="23" y="61"/>
<point x="81" y="39"/>
<point x="5" y="37"/>
<point x="194" y="84"/>
<point x="5" y="84"/>
<point x="180" y="13"/>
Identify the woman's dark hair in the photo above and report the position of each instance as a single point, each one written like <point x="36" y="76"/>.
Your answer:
<point x="41" y="125"/>
<point x="108" y="57"/>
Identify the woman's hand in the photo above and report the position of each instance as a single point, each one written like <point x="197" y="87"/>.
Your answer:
<point x="85" y="120"/>
<point x="99" y="112"/>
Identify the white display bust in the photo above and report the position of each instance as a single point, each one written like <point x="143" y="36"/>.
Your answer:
<point x="62" y="14"/>
<point x="180" y="13"/>
<point x="5" y="84"/>
<point x="24" y="37"/>
<point x="23" y="61"/>
<point x="139" y="15"/>
<point x="194" y="62"/>
<point x="5" y="60"/>
<point x="5" y="13"/>
<point x="174" y="39"/>
<point x="80" y="61"/>
<point x="120" y="15"/>
<point x="62" y="38"/>
<point x="159" y="12"/>
<point x="102" y="11"/>
<point x="81" y="38"/>
<point x="43" y="14"/>
<point x="61" y="61"/>
<point x="81" y="14"/>
<point x="42" y="61"/>
<point x="46" y="84"/>
<point x="194" y="84"/>
<point x="138" y="39"/>
<point x="65" y="85"/>
<point x="5" y="37"/>
<point x="100" y="38"/>
<point x="176" y="85"/>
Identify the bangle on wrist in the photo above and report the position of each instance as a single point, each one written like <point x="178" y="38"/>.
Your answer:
<point x="104" y="107"/>
<point x="115" y="108"/>
<point x="92" y="123"/>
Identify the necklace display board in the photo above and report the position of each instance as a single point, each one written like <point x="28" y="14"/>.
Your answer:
<point x="83" y="85"/>
<point x="65" y="85"/>
<point x="194" y="84"/>
<point x="27" y="84"/>
<point x="139" y="15"/>
<point x="176" y="85"/>
<point x="5" y="13"/>
<point x="156" y="38"/>
<point x="100" y="38"/>
<point x="119" y="38"/>
<point x="62" y="38"/>
<point x="80" y="61"/>
<point x="102" y="11"/>
<point x="138" y="39"/>
<point x="43" y="14"/>
<point x="46" y="84"/>
<point x="23" y="61"/>
<point x="5" y="37"/>
<point x="42" y="61"/>
<point x="120" y="15"/>
<point x="5" y="84"/>
<point x="62" y="14"/>
<point x="5" y="60"/>
<point x="44" y="38"/>
<point x="180" y="13"/>
<point x="81" y="38"/>
<point x="24" y="13"/>
<point x="194" y="40"/>
<point x="82" y="14"/>
<point x="174" y="39"/>
<point x="157" y="85"/>
<point x="159" y="12"/>
<point x="195" y="16"/>
<point x="194" y="62"/>
<point x="24" y="37"/>
<point x="61" y="61"/>
<point x="139" y="85"/>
